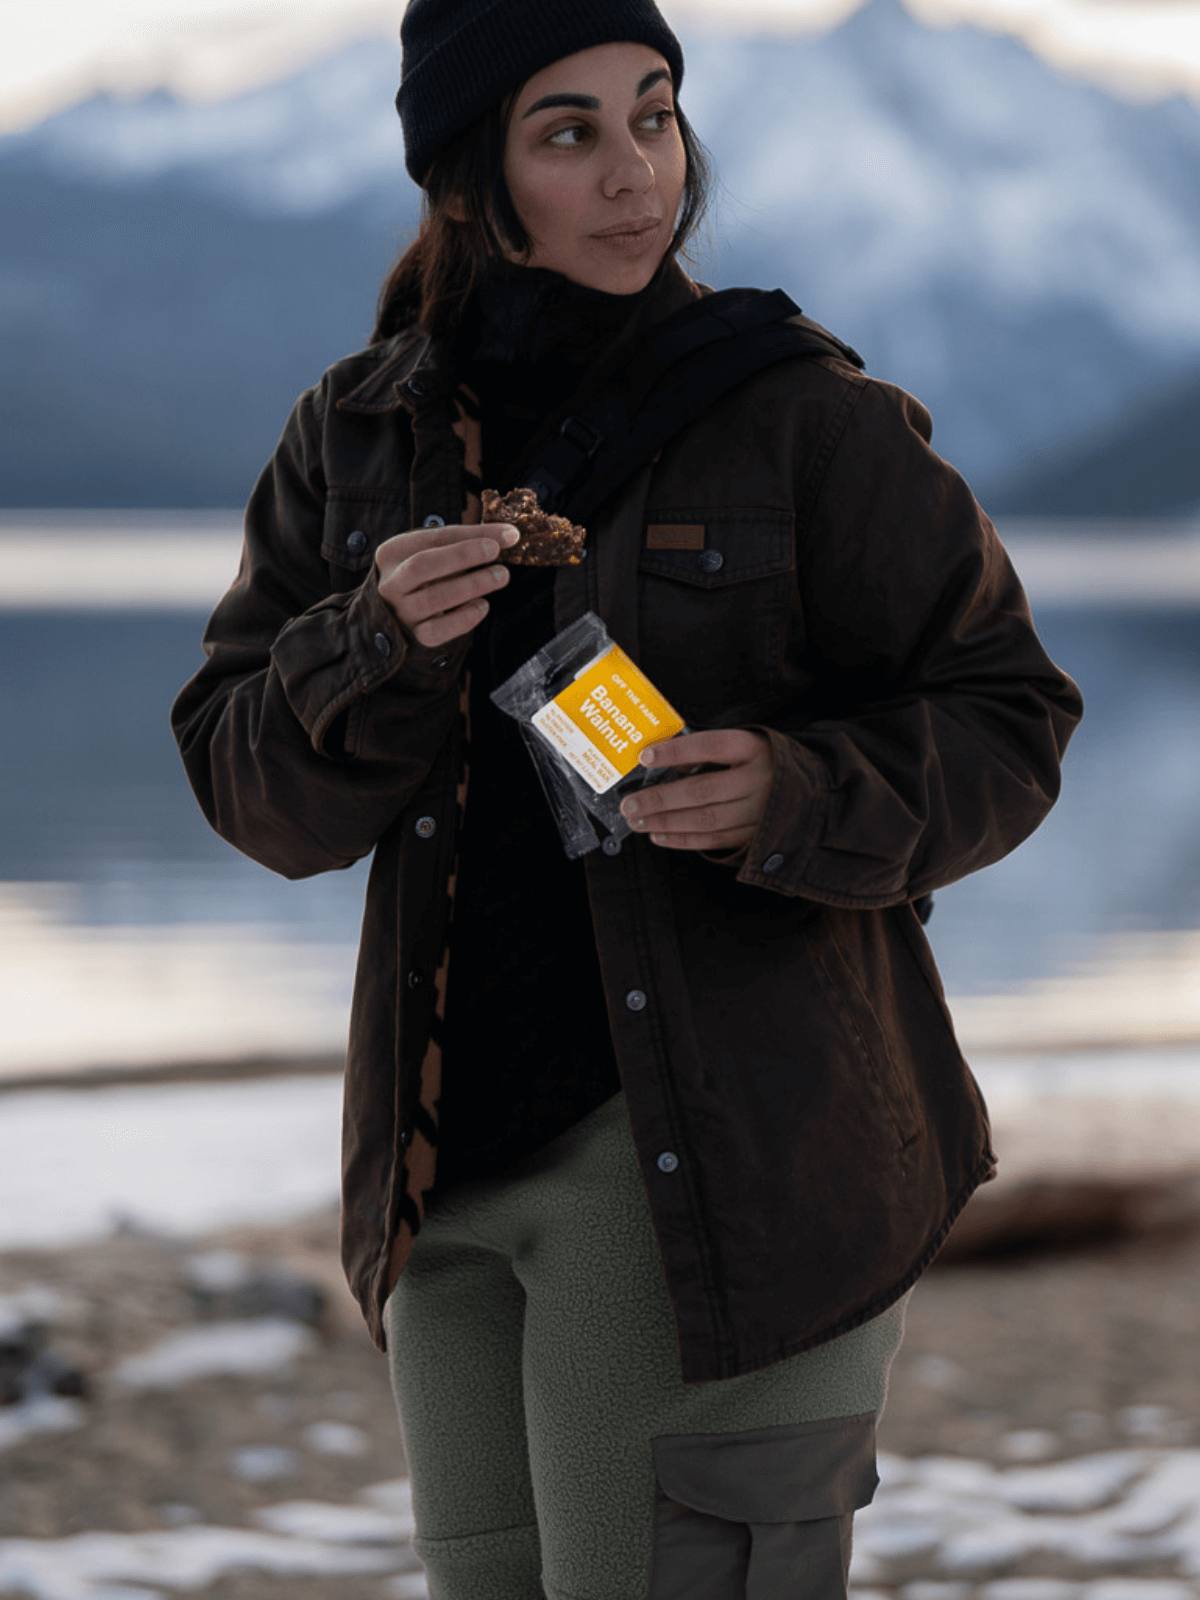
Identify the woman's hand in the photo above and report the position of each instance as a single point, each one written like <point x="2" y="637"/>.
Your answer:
<point x="709" y="810"/>
<point x="436" y="579"/>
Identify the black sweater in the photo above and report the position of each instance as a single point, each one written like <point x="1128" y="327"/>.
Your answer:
<point x="526" y="1046"/>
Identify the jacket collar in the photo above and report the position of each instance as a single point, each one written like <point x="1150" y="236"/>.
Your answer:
<point x="411" y="367"/>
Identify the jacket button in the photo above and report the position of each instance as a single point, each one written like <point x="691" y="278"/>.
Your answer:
<point x="434" y="521"/>
<point x="668" y="1161"/>
<point x="611" y="846"/>
<point x="416" y="387"/>
<point x="416" y="978"/>
<point x="635" y="1000"/>
<point x="710" y="561"/>
<point x="383" y="644"/>
<point x="441" y="661"/>
<point x="772" y="863"/>
<point x="406" y="1138"/>
<point x="426" y="827"/>
<point x="356" y="542"/>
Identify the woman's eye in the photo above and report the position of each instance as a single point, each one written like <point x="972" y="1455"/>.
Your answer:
<point x="568" y="138"/>
<point x="659" y="121"/>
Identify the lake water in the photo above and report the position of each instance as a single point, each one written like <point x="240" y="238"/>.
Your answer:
<point x="104" y="854"/>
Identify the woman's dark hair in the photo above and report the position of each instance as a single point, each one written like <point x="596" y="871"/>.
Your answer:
<point x="436" y="275"/>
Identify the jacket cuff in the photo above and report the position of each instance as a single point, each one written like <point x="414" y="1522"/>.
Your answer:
<point x="793" y="820"/>
<point x="335" y="659"/>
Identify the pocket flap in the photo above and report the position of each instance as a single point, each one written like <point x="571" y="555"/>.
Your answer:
<point x="801" y="1472"/>
<point x="355" y="528"/>
<point x="711" y="547"/>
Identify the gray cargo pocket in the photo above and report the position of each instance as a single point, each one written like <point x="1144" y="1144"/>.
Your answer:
<point x="760" y="1515"/>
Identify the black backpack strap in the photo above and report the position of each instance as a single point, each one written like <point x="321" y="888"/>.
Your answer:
<point x="630" y="406"/>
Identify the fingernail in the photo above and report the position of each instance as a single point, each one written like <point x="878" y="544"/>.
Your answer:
<point x="499" y="575"/>
<point x="659" y="838"/>
<point x="630" y="808"/>
<point x="647" y="758"/>
<point x="490" y="549"/>
<point x="509" y="536"/>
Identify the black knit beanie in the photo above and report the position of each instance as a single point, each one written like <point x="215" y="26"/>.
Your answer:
<point x="461" y="56"/>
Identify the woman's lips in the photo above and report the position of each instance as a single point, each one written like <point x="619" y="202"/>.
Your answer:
<point x="630" y="238"/>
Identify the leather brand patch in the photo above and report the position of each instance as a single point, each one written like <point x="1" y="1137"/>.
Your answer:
<point x="675" y="536"/>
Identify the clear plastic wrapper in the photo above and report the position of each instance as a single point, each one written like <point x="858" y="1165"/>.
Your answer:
<point x="586" y="713"/>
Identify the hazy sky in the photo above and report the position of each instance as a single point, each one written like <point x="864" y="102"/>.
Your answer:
<point x="56" y="51"/>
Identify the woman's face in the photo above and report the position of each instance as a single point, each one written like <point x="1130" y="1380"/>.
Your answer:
<point x="595" y="166"/>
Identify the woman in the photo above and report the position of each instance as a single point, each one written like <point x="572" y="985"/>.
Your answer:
<point x="642" y="1159"/>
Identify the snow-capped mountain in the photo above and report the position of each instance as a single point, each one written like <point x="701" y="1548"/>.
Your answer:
<point x="1021" y="250"/>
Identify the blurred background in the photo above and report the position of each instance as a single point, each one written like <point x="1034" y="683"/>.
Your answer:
<point x="999" y="205"/>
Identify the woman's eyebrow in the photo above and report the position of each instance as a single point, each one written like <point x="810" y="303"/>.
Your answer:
<point x="588" y="102"/>
<point x="578" y="102"/>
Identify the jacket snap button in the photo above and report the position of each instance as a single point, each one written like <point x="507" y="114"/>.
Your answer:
<point x="668" y="1161"/>
<point x="416" y="978"/>
<point x="356" y="542"/>
<point x="416" y="387"/>
<point x="635" y="1000"/>
<point x="772" y="863"/>
<point x="383" y="644"/>
<point x="710" y="561"/>
<point x="435" y="521"/>
<point x="441" y="661"/>
<point x="406" y="1138"/>
<point x="426" y="827"/>
<point x="611" y="846"/>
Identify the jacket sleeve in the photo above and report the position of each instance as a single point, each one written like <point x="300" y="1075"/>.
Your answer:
<point x="315" y="719"/>
<point x="931" y="746"/>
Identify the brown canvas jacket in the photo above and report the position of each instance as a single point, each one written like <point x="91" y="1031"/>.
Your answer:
<point x="806" y="1125"/>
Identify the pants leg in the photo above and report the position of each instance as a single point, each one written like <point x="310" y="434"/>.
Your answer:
<point x="454" y="1328"/>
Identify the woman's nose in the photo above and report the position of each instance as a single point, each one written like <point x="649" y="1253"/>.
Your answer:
<point x="630" y="170"/>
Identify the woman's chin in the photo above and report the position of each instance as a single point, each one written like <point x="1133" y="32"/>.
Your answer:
<point x="609" y="267"/>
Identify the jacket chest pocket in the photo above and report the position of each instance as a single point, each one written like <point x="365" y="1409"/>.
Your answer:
<point x="715" y="588"/>
<point x="354" y="529"/>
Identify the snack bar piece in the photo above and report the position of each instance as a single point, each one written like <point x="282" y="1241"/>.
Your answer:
<point x="546" y="541"/>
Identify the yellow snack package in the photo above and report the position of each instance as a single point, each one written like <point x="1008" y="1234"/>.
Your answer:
<point x="602" y="721"/>
<point x="587" y="711"/>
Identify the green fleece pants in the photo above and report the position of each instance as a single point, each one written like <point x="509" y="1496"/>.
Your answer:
<point x="553" y="1446"/>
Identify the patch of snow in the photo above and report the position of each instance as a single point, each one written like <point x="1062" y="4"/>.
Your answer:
<point x="336" y="1439"/>
<point x="407" y="1586"/>
<point x="178" y="1514"/>
<point x="1029" y="1589"/>
<point x="217" y="1349"/>
<point x="1145" y="1422"/>
<point x="968" y="1515"/>
<point x="1083" y="1484"/>
<point x="41" y="1413"/>
<point x="218" y="1271"/>
<point x="1139" y="1589"/>
<point x="1028" y="1444"/>
<point x="314" y="1519"/>
<point x="394" y="1496"/>
<point x="260" y="1463"/>
<point x="936" y="1372"/>
<point x="36" y="1302"/>
<point x="97" y="1566"/>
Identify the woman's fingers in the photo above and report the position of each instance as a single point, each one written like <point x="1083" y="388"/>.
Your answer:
<point x="714" y="810"/>
<point x="436" y="579"/>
